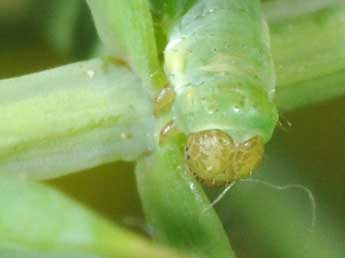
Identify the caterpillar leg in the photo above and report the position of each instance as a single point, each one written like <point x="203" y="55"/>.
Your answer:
<point x="169" y="131"/>
<point x="215" y="159"/>
<point x="164" y="101"/>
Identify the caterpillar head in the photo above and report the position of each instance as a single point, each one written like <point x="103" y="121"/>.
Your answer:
<point x="215" y="159"/>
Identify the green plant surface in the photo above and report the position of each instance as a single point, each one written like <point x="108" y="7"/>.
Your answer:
<point x="135" y="40"/>
<point x="303" y="69"/>
<point x="60" y="24"/>
<point x="73" y="113"/>
<point x="167" y="12"/>
<point x="90" y="113"/>
<point x="47" y="224"/>
<point x="176" y="206"/>
<point x="281" y="9"/>
<point x="165" y="15"/>
<point x="314" y="91"/>
<point x="66" y="26"/>
<point x="34" y="140"/>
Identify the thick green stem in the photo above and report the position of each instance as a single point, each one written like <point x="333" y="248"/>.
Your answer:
<point x="72" y="118"/>
<point x="176" y="206"/>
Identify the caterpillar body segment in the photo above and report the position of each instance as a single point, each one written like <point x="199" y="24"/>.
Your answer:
<point x="218" y="60"/>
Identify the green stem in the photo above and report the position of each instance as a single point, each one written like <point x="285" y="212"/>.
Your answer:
<point x="126" y="28"/>
<point x="309" y="56"/>
<point x="40" y="222"/>
<point x="176" y="206"/>
<point x="67" y="26"/>
<point x="72" y="118"/>
<point x="167" y="12"/>
<point x="281" y="9"/>
<point x="60" y="26"/>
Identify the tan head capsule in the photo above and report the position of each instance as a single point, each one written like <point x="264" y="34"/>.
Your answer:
<point x="214" y="158"/>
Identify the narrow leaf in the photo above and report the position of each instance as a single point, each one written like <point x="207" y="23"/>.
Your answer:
<point x="38" y="222"/>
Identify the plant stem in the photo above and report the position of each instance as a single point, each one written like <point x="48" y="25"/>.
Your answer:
<point x="309" y="56"/>
<point x="167" y="12"/>
<point x="72" y="118"/>
<point x="40" y="222"/>
<point x="127" y="30"/>
<point x="276" y="10"/>
<point x="176" y="206"/>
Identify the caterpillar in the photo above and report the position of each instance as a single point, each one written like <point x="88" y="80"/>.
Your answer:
<point x="219" y="63"/>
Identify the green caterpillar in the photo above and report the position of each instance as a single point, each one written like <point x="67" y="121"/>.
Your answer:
<point x="219" y="64"/>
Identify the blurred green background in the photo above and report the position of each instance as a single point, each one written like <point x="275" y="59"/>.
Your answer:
<point x="308" y="148"/>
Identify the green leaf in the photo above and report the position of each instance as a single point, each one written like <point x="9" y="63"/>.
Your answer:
<point x="126" y="28"/>
<point x="72" y="118"/>
<point x="38" y="222"/>
<point x="176" y="206"/>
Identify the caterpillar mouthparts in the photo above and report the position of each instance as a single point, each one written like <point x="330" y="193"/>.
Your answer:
<point x="215" y="159"/>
